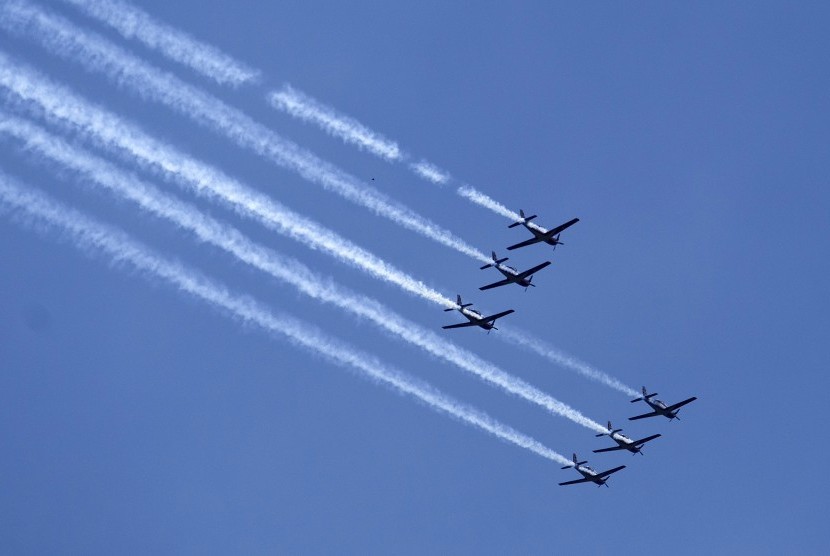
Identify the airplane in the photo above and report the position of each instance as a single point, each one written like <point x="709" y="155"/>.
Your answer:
<point x="475" y="318"/>
<point x="588" y="474"/>
<point x="624" y="443"/>
<point x="660" y="408"/>
<point x="511" y="275"/>
<point x="551" y="237"/>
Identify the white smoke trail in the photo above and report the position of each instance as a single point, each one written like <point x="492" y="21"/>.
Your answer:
<point x="114" y="133"/>
<point x="113" y="244"/>
<point x="349" y="130"/>
<point x="111" y="132"/>
<point x="99" y="55"/>
<point x="554" y="355"/>
<point x="282" y="268"/>
<point x="430" y="172"/>
<point x="131" y="22"/>
<point x="483" y="200"/>
<point x="479" y="198"/>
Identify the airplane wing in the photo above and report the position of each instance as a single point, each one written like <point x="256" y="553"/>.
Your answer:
<point x="497" y="315"/>
<point x="646" y="439"/>
<point x="610" y="471"/>
<point x="495" y="284"/>
<point x="575" y="482"/>
<point x="644" y="415"/>
<point x="564" y="226"/>
<point x="533" y="270"/>
<point x="460" y="325"/>
<point x="612" y="449"/>
<point x="525" y="243"/>
<point x="678" y="405"/>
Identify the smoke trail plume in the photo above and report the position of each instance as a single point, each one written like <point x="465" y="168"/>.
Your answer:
<point x="99" y="55"/>
<point x="114" y="245"/>
<point x="112" y="132"/>
<point x="554" y="355"/>
<point x="62" y="106"/>
<point x="430" y="172"/>
<point x="132" y="23"/>
<point x="349" y="130"/>
<point x="483" y="200"/>
<point x="285" y="269"/>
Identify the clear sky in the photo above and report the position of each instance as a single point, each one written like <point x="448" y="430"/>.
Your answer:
<point x="690" y="139"/>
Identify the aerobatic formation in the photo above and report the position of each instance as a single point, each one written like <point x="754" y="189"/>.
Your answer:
<point x="512" y="276"/>
<point x="35" y="111"/>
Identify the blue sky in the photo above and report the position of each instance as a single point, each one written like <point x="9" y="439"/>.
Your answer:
<point x="690" y="140"/>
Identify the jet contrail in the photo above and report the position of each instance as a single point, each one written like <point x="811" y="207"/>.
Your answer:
<point x="132" y="23"/>
<point x="115" y="245"/>
<point x="229" y="239"/>
<point x="99" y="55"/>
<point x="61" y="105"/>
<point x="347" y="129"/>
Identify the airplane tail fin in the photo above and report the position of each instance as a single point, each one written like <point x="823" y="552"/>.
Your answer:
<point x="576" y="463"/>
<point x="496" y="260"/>
<point x="524" y="219"/>
<point x="459" y="303"/>
<point x="646" y="396"/>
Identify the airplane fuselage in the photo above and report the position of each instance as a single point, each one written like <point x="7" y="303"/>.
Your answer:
<point x="590" y="474"/>
<point x="475" y="317"/>
<point x="662" y="409"/>
<point x="513" y="275"/>
<point x="625" y="442"/>
<point x="542" y="235"/>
